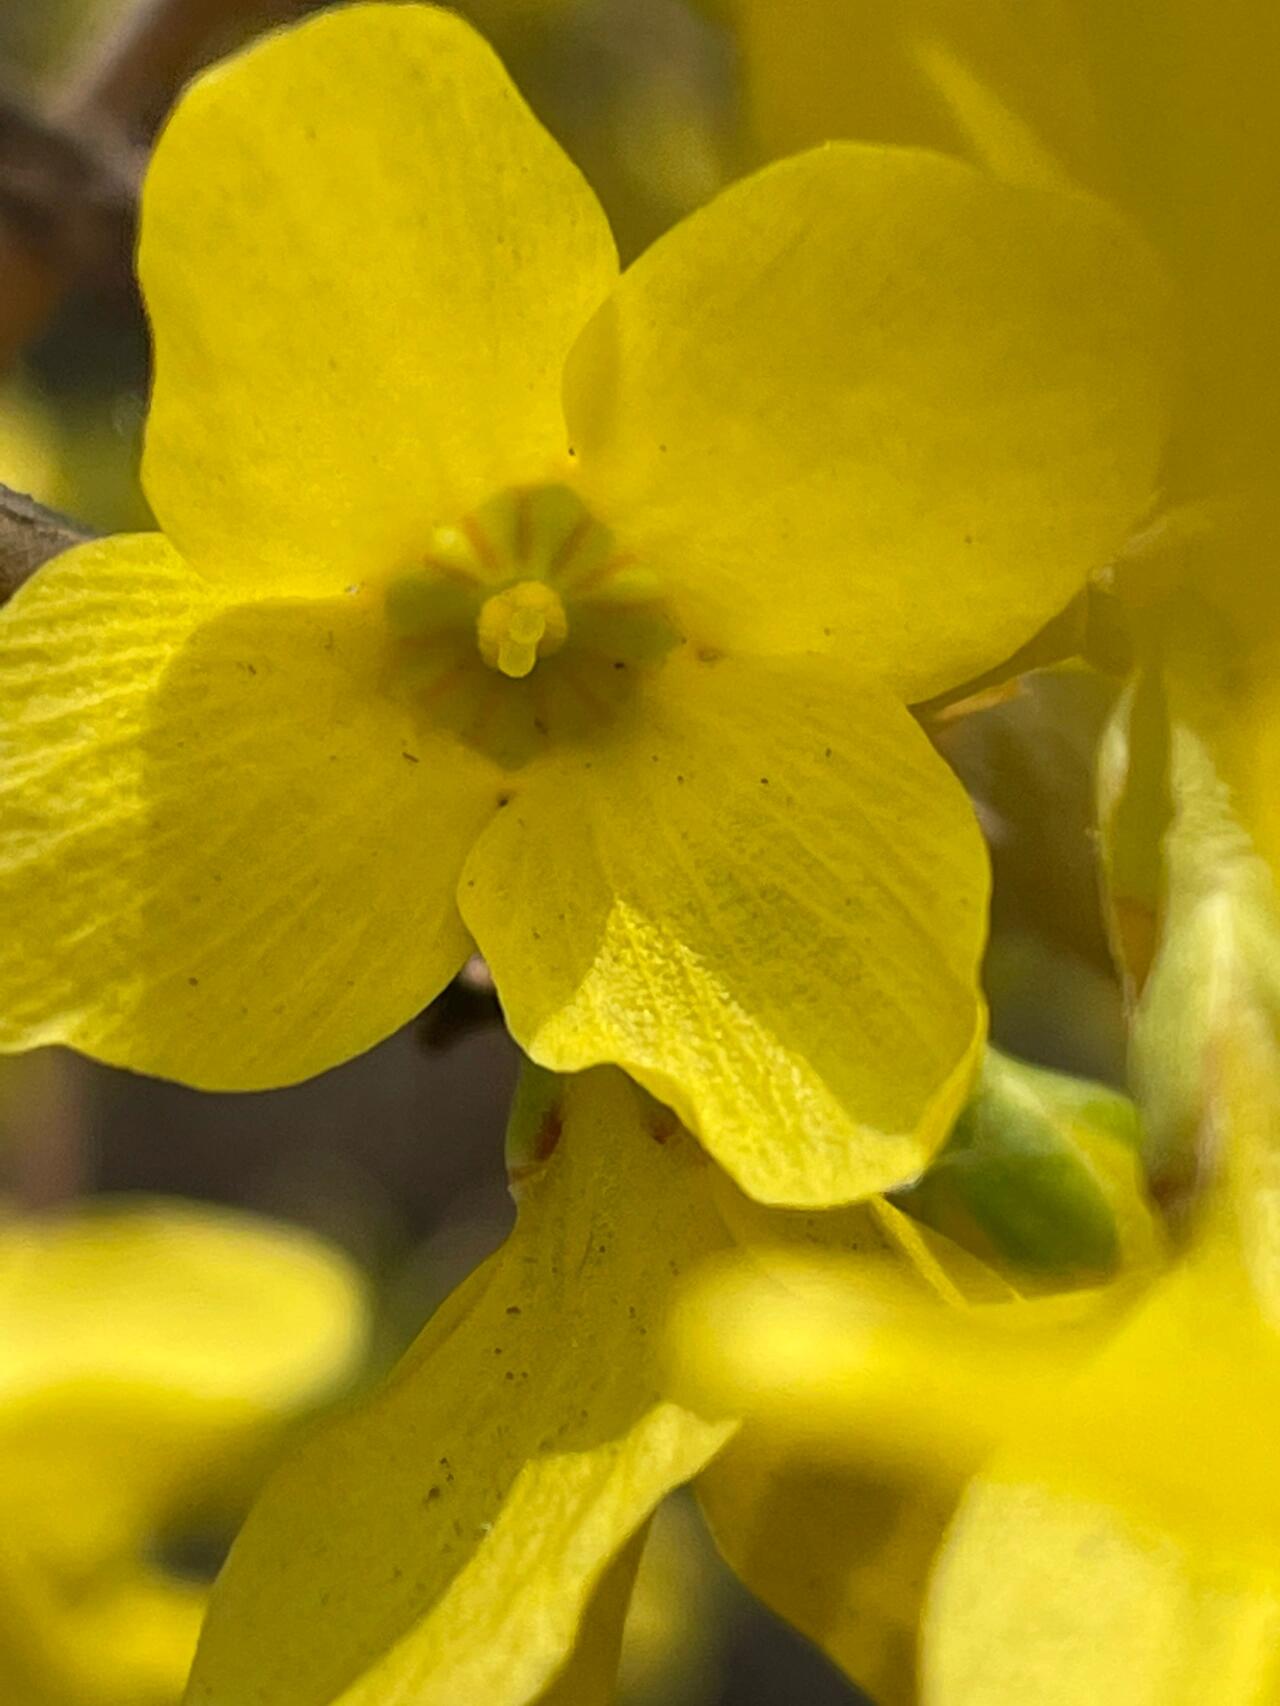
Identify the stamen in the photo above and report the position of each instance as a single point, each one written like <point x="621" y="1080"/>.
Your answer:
<point x="517" y="627"/>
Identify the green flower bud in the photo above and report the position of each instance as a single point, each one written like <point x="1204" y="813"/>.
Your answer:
<point x="1040" y="1175"/>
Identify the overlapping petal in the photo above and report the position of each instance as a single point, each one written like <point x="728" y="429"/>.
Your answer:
<point x="226" y="856"/>
<point x="1049" y="1597"/>
<point x="1126" y="1547"/>
<point x="442" y="1543"/>
<point x="843" y="1555"/>
<point x="764" y="896"/>
<point x="838" y="1541"/>
<point x="818" y="69"/>
<point x="873" y="402"/>
<point x="364" y="262"/>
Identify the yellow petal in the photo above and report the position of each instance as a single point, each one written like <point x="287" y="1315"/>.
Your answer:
<point x="855" y="1358"/>
<point x="874" y="402"/>
<point x="129" y="1644"/>
<point x="364" y="262"/>
<point x="843" y="1556"/>
<point x="591" y="1676"/>
<point x="1187" y="101"/>
<point x="440" y="1543"/>
<point x="840" y="1547"/>
<point x="1042" y="1596"/>
<point x="225" y="855"/>
<point x="764" y="897"/>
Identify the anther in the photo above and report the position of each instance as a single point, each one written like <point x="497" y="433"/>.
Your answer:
<point x="520" y="625"/>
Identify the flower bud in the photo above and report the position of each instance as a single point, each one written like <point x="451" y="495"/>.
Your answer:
<point x="1040" y="1175"/>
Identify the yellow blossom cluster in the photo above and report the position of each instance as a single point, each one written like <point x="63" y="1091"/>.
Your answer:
<point x="506" y="600"/>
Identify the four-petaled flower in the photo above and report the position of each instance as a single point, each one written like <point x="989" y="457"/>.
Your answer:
<point x="504" y="602"/>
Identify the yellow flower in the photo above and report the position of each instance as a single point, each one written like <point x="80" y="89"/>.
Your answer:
<point x="474" y="1524"/>
<point x="150" y="1354"/>
<point x="505" y="602"/>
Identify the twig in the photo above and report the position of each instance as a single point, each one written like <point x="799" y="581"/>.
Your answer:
<point x="132" y="68"/>
<point x="29" y="536"/>
<point x="69" y="174"/>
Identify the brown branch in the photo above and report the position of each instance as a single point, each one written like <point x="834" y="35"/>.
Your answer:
<point x="29" y="536"/>
<point x="69" y="174"/>
<point x="132" y="68"/>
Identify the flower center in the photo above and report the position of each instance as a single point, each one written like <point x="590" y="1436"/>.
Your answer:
<point x="525" y="624"/>
<point x="517" y="627"/>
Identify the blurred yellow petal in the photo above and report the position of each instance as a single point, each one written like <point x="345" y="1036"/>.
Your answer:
<point x="440" y="1543"/>
<point x="842" y="1549"/>
<point x="220" y="1307"/>
<point x="843" y="1556"/>
<point x="130" y="1645"/>
<point x="872" y="402"/>
<point x="1187" y="99"/>
<point x="364" y="262"/>
<point x="1128" y="1549"/>
<point x="225" y="855"/>
<point x="149" y="1353"/>
<point x="856" y="1360"/>
<point x="818" y="69"/>
<point x="1048" y="1597"/>
<point x="1168" y="110"/>
<point x="143" y="1343"/>
<point x="1097" y="1403"/>
<point x="764" y="897"/>
<point x="33" y="1664"/>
